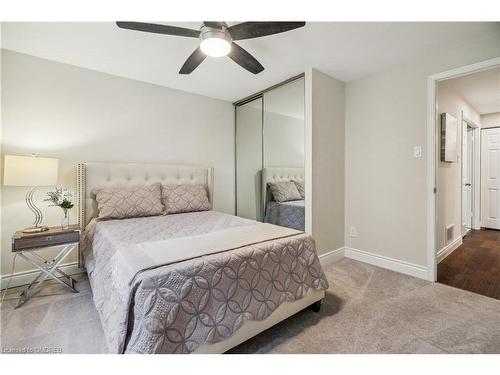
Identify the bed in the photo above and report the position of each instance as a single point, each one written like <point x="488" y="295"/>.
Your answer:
<point x="196" y="282"/>
<point x="289" y="214"/>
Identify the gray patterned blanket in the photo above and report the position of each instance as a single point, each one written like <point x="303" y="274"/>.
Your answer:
<point x="175" y="307"/>
<point x="288" y="214"/>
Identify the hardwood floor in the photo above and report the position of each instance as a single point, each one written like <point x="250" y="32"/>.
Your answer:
<point x="475" y="265"/>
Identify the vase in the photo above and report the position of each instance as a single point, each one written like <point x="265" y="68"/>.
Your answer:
<point x="65" y="220"/>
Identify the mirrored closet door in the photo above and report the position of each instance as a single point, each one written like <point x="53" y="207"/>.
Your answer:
<point x="249" y="159"/>
<point x="270" y="155"/>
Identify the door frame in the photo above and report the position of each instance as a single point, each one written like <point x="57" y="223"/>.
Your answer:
<point x="476" y="171"/>
<point x="432" y="159"/>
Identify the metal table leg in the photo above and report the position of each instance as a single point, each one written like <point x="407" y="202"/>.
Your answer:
<point x="48" y="269"/>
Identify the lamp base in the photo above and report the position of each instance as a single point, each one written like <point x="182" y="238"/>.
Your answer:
<point x="35" y="229"/>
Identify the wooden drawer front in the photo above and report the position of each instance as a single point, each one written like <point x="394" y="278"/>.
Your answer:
<point x="45" y="240"/>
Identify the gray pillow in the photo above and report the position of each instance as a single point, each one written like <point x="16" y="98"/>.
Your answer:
<point x="301" y="188"/>
<point x="185" y="198"/>
<point x="122" y="203"/>
<point x="284" y="191"/>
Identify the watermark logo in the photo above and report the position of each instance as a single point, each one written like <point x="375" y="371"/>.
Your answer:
<point x="32" y="350"/>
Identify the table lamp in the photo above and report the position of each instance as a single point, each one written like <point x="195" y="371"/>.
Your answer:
<point x="31" y="171"/>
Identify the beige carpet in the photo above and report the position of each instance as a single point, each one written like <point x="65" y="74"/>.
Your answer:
<point x="367" y="310"/>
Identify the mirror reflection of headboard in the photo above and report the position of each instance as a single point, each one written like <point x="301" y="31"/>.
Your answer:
<point x="278" y="174"/>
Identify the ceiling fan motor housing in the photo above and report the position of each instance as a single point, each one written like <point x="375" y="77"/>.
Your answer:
<point x="215" y="42"/>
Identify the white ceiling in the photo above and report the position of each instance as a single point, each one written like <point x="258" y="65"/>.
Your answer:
<point x="343" y="50"/>
<point x="481" y="90"/>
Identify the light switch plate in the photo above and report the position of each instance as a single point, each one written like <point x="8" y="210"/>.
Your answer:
<point x="417" y="151"/>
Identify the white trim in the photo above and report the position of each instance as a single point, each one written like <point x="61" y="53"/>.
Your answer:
<point x="26" y="277"/>
<point x="431" y="179"/>
<point x="467" y="69"/>
<point x="331" y="256"/>
<point x="448" y="249"/>
<point x="386" y="262"/>
<point x="431" y="153"/>
<point x="308" y="163"/>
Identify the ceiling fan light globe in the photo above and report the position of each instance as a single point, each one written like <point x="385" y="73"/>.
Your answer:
<point x="215" y="47"/>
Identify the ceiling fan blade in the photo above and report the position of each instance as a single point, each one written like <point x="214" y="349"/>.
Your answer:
<point x="159" y="29"/>
<point x="193" y="61"/>
<point x="249" y="30"/>
<point x="215" y="25"/>
<point x="244" y="59"/>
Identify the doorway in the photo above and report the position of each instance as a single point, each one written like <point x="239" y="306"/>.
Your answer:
<point x="432" y="152"/>
<point x="466" y="226"/>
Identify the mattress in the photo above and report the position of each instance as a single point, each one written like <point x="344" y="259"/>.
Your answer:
<point x="176" y="305"/>
<point x="287" y="214"/>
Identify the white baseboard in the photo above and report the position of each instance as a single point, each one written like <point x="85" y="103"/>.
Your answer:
<point x="26" y="277"/>
<point x="331" y="256"/>
<point x="386" y="262"/>
<point x="448" y="249"/>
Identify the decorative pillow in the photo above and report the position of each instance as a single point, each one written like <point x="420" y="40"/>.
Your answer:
<point x="125" y="203"/>
<point x="301" y="188"/>
<point x="185" y="198"/>
<point x="284" y="191"/>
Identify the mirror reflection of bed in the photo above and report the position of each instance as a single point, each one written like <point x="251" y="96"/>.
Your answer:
<point x="270" y="155"/>
<point x="284" y="194"/>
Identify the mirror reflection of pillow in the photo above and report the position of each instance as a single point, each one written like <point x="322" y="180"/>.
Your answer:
<point x="285" y="191"/>
<point x="301" y="188"/>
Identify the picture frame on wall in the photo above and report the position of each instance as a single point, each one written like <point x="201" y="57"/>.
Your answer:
<point x="449" y="138"/>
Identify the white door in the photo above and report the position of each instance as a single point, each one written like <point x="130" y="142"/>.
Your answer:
<point x="490" y="175"/>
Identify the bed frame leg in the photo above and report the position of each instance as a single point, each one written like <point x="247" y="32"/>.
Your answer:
<point x="316" y="306"/>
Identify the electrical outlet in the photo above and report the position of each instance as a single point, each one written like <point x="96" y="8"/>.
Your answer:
<point x="353" y="232"/>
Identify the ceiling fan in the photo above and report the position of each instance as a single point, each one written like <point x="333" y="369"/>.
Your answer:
<point x="217" y="39"/>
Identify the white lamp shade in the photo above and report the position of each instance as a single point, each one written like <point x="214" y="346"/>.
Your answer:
<point x="30" y="171"/>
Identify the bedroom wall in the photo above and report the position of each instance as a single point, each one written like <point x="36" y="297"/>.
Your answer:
<point x="386" y="116"/>
<point x="490" y="120"/>
<point x="449" y="186"/>
<point x="75" y="114"/>
<point x="326" y="96"/>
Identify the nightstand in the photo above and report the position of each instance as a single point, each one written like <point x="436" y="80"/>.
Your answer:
<point x="27" y="245"/>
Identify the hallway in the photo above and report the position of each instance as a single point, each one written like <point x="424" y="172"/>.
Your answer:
<point x="475" y="265"/>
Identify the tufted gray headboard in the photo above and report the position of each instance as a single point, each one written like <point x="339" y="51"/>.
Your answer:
<point x="278" y="174"/>
<point x="113" y="175"/>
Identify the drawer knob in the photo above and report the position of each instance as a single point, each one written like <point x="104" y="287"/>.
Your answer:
<point x="48" y="238"/>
